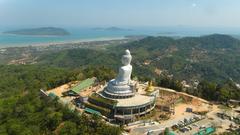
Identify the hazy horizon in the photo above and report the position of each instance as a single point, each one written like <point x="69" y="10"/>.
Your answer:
<point x="121" y="13"/>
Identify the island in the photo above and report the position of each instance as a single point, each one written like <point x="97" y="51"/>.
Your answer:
<point x="112" y="29"/>
<point x="42" y="31"/>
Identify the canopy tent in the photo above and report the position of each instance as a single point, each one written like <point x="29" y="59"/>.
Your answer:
<point x="89" y="110"/>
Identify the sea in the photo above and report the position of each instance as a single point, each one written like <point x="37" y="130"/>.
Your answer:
<point x="91" y="34"/>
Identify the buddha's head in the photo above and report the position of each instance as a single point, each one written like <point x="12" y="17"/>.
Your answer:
<point x="126" y="58"/>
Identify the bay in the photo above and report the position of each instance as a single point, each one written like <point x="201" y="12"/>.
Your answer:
<point x="83" y="34"/>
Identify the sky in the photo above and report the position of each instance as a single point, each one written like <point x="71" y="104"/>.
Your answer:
<point x="128" y="13"/>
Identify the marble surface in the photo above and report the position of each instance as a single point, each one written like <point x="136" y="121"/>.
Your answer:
<point x="122" y="83"/>
<point x="137" y="100"/>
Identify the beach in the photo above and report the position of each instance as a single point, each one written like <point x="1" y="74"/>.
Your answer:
<point x="62" y="42"/>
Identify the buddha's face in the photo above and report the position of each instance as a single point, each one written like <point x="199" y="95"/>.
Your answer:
<point x="126" y="60"/>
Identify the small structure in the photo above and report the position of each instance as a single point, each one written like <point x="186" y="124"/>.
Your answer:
<point x="234" y="102"/>
<point x="91" y="111"/>
<point x="69" y="93"/>
<point x="189" y="109"/>
<point x="82" y="89"/>
<point x="206" y="131"/>
<point x="150" y="88"/>
<point x="52" y="95"/>
<point x="43" y="93"/>
<point x="83" y="85"/>
<point x="151" y="91"/>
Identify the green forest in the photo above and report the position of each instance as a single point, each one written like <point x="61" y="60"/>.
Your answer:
<point x="214" y="58"/>
<point x="23" y="112"/>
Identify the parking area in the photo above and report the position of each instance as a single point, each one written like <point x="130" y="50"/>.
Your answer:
<point x="194" y="127"/>
<point x="155" y="129"/>
<point x="188" y="124"/>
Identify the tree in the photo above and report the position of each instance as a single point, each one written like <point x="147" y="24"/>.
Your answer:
<point x="166" y="131"/>
<point x="168" y="82"/>
<point x="68" y="128"/>
<point x="53" y="120"/>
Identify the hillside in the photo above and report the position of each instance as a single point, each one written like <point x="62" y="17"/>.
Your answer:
<point x="214" y="57"/>
<point x="212" y="60"/>
<point x="24" y="112"/>
<point x="43" y="31"/>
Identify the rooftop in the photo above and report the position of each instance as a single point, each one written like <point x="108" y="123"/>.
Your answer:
<point x="136" y="100"/>
<point x="206" y="131"/>
<point x="52" y="95"/>
<point x="89" y="110"/>
<point x="83" y="85"/>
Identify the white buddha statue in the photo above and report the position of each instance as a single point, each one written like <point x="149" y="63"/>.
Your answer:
<point x="121" y="84"/>
<point x="124" y="73"/>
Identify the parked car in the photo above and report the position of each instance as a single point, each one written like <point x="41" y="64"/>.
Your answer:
<point x="175" y="127"/>
<point x="182" y="130"/>
<point x="193" y="120"/>
<point x="202" y="127"/>
<point x="195" y="125"/>
<point x="185" y="129"/>
<point x="150" y="132"/>
<point x="189" y="127"/>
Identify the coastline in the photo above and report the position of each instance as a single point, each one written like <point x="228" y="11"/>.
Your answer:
<point x="12" y="34"/>
<point x="45" y="44"/>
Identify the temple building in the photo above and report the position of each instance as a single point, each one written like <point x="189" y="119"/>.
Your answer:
<point x="119" y="100"/>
